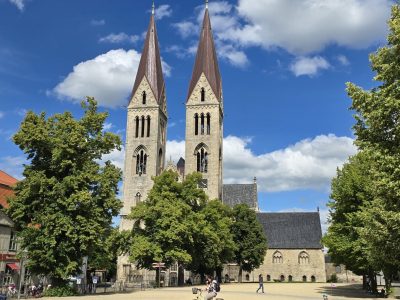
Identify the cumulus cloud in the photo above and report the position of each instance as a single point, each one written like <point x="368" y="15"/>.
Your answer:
<point x="20" y="4"/>
<point x="117" y="157"/>
<point x="108" y="77"/>
<point x="309" y="65"/>
<point x="175" y="150"/>
<point x="118" y="38"/>
<point x="343" y="60"/>
<point x="163" y="11"/>
<point x="308" y="164"/>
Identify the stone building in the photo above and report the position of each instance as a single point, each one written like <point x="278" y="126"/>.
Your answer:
<point x="9" y="264"/>
<point x="295" y="251"/>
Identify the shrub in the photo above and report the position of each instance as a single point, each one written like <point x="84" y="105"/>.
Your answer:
<point x="60" y="291"/>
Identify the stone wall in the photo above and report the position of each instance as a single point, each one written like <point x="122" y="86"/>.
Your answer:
<point x="342" y="274"/>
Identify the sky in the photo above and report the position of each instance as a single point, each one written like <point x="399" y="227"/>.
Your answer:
<point x="284" y="65"/>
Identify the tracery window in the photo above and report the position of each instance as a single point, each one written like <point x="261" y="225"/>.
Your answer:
<point x="196" y="124"/>
<point x="277" y="258"/>
<point x="203" y="95"/>
<point x="208" y="123"/>
<point x="141" y="162"/>
<point x="304" y="258"/>
<point x="202" y="160"/>
<point x="137" y="127"/>
<point x="144" y="96"/>
<point x="148" y="126"/>
<point x="143" y="122"/>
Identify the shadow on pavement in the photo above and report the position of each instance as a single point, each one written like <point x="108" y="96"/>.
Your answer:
<point x="348" y="291"/>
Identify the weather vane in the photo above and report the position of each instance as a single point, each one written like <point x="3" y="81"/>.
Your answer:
<point x="152" y="8"/>
<point x="206" y="4"/>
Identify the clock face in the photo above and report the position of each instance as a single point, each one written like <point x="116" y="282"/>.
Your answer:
<point x="203" y="183"/>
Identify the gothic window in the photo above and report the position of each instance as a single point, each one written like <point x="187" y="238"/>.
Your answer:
<point x="141" y="162"/>
<point x="313" y="279"/>
<point x="304" y="278"/>
<point x="304" y="259"/>
<point x="148" y="126"/>
<point x="277" y="258"/>
<point x="160" y="161"/>
<point x="196" y="124"/>
<point x="138" y="197"/>
<point x="137" y="127"/>
<point x="203" y="95"/>
<point x="144" y="96"/>
<point x="143" y="122"/>
<point x="202" y="124"/>
<point x="208" y="123"/>
<point x="202" y="160"/>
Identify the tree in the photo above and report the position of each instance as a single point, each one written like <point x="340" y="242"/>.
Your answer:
<point x="378" y="131"/>
<point x="352" y="189"/>
<point x="249" y="238"/>
<point x="65" y="203"/>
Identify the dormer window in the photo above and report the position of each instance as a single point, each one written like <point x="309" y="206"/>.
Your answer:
<point x="144" y="98"/>
<point x="203" y="95"/>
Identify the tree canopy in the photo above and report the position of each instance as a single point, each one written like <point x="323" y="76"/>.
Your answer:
<point x="65" y="203"/>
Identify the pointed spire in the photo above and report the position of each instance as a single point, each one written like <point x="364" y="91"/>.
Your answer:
<point x="150" y="63"/>
<point x="206" y="60"/>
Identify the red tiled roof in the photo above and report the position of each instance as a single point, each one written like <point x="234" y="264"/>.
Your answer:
<point x="4" y="194"/>
<point x="7" y="179"/>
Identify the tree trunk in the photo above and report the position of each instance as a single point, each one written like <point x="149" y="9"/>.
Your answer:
<point x="218" y="271"/>
<point x="181" y="275"/>
<point x="364" y="284"/>
<point x="240" y="273"/>
<point x="372" y="281"/>
<point x="388" y="282"/>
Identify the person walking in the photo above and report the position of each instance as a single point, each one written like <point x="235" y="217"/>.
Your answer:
<point x="211" y="288"/>
<point x="261" y="283"/>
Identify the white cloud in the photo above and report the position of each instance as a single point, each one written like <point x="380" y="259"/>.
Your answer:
<point x="117" y="157"/>
<point x="107" y="126"/>
<point x="303" y="27"/>
<point x="20" y="4"/>
<point x="118" y="38"/>
<point x="13" y="165"/>
<point x="1" y="114"/>
<point x="186" y="28"/>
<point x="309" y="65"/>
<point x="163" y="11"/>
<point x="343" y="60"/>
<point x="97" y="22"/>
<point x="308" y="164"/>
<point x="108" y="77"/>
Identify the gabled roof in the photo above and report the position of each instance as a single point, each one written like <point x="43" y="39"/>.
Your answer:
<point x="150" y="64"/>
<point x="233" y="194"/>
<point x="7" y="179"/>
<point x="206" y="60"/>
<point x="292" y="230"/>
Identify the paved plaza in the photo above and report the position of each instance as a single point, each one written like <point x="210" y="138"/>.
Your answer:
<point x="281" y="291"/>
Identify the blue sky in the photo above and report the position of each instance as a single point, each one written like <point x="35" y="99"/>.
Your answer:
<point x="284" y="66"/>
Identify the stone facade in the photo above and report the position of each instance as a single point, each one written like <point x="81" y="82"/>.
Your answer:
<point x="342" y="274"/>
<point x="207" y="137"/>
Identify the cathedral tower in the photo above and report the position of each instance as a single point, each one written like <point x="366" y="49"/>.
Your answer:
<point x="204" y="116"/>
<point x="146" y="127"/>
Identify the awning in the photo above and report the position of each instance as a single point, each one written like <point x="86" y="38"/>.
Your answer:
<point x="13" y="266"/>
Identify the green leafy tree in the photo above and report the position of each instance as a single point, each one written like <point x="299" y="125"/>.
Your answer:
<point x="378" y="131"/>
<point x="66" y="202"/>
<point x="352" y="189"/>
<point x="249" y="238"/>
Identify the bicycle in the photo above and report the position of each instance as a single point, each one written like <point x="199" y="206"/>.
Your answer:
<point x="197" y="292"/>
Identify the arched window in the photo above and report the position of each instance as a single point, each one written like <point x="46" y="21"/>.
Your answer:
<point x="304" y="259"/>
<point x="268" y="277"/>
<point x="148" y="126"/>
<point x="196" y="124"/>
<point x="138" y="197"/>
<point x="141" y="162"/>
<point x="143" y="122"/>
<point x="313" y="279"/>
<point x="202" y="160"/>
<point x="202" y="124"/>
<point x="304" y="278"/>
<point x="208" y="123"/>
<point x="282" y="278"/>
<point x="203" y="95"/>
<point x="160" y="161"/>
<point x="290" y="278"/>
<point x="247" y="277"/>
<point x="277" y="258"/>
<point x="144" y="96"/>
<point x="137" y="127"/>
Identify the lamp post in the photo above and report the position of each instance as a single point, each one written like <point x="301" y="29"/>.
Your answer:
<point x="22" y="272"/>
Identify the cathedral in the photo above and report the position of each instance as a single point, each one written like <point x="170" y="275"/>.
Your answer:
<point x="294" y="239"/>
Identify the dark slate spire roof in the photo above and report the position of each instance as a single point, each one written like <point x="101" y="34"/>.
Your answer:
<point x="206" y="60"/>
<point x="233" y="194"/>
<point x="292" y="230"/>
<point x="150" y="63"/>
